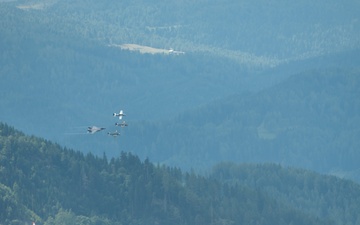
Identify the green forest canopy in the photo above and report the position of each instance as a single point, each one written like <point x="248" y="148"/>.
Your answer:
<point x="44" y="182"/>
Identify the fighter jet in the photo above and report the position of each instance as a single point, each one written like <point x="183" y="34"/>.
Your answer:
<point x="114" y="134"/>
<point x="120" y="114"/>
<point x="94" y="129"/>
<point x="123" y="124"/>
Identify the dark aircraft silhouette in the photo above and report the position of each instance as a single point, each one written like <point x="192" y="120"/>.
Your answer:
<point x="123" y="124"/>
<point x="114" y="134"/>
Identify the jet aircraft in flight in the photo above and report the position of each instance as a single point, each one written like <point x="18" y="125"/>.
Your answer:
<point x="123" y="124"/>
<point x="94" y="129"/>
<point x="120" y="114"/>
<point x="114" y="134"/>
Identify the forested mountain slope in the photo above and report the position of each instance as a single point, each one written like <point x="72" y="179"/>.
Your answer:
<point x="54" y="69"/>
<point x="323" y="196"/>
<point x="62" y="70"/>
<point x="252" y="32"/>
<point x="310" y="121"/>
<point x="11" y="210"/>
<point x="64" y="186"/>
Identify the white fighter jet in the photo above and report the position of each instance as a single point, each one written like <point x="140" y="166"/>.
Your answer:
<point x="94" y="129"/>
<point x="120" y="114"/>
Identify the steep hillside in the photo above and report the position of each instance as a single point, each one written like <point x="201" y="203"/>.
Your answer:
<point x="308" y="121"/>
<point x="319" y="195"/>
<point x="64" y="186"/>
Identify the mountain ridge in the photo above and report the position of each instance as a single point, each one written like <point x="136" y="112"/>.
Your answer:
<point x="59" y="76"/>
<point x="60" y="185"/>
<point x="303" y="124"/>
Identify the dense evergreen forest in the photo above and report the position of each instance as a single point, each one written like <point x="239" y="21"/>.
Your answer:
<point x="267" y="31"/>
<point x="43" y="182"/>
<point x="323" y="196"/>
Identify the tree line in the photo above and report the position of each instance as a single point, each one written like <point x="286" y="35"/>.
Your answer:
<point x="45" y="182"/>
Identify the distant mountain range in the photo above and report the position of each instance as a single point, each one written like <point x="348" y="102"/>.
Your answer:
<point x="309" y="121"/>
<point x="250" y="32"/>
<point x="232" y="96"/>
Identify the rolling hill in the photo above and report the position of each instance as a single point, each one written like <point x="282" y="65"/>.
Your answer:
<point x="310" y="121"/>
